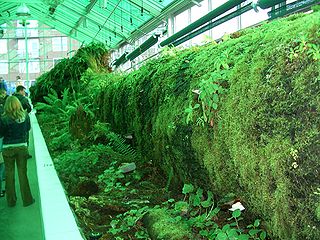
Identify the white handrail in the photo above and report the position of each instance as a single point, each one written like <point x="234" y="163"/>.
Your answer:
<point x="57" y="217"/>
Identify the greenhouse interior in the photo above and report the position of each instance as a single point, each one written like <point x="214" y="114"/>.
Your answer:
<point x="159" y="119"/>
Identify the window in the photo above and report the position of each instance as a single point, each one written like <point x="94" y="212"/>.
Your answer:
<point x="3" y="46"/>
<point x="199" y="11"/>
<point x="3" y="67"/>
<point x="216" y="4"/>
<point x="33" y="67"/>
<point x="30" y="28"/>
<point x="59" y="44"/>
<point x="196" y="13"/>
<point x="22" y="48"/>
<point x="181" y="21"/>
<point x="251" y="17"/>
<point x="225" y="28"/>
<point x="33" y="32"/>
<point x="33" y="48"/>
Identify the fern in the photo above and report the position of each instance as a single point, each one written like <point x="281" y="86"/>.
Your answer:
<point x="119" y="145"/>
<point x="63" y="106"/>
<point x="65" y="97"/>
<point x="116" y="141"/>
<point x="43" y="106"/>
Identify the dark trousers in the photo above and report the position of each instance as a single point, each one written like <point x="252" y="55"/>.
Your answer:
<point x="12" y="156"/>
<point x="1" y="175"/>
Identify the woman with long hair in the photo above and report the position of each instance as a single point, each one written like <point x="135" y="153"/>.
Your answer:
<point x="14" y="128"/>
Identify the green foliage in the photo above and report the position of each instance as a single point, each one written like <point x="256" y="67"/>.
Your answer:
<point x="62" y="107"/>
<point x="115" y="141"/>
<point x="128" y="221"/>
<point x="190" y="111"/>
<point x="67" y="73"/>
<point x="61" y="140"/>
<point x="259" y="92"/>
<point x="302" y="47"/>
<point x="82" y="162"/>
<point x="262" y="89"/>
<point x="211" y="92"/>
<point x="195" y="212"/>
<point x="110" y="179"/>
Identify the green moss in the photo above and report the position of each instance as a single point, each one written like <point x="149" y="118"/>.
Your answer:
<point x="317" y="212"/>
<point x="162" y="226"/>
<point x="262" y="142"/>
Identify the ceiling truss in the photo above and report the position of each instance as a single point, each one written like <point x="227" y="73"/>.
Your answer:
<point x="109" y="21"/>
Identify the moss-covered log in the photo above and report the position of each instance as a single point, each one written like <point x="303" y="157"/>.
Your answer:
<point x="256" y="132"/>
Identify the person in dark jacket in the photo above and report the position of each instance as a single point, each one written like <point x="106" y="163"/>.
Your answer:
<point x="3" y="96"/>
<point x="14" y="128"/>
<point x="3" y="84"/>
<point x="21" y="95"/>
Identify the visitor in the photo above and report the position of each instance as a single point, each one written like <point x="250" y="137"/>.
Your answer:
<point x="2" y="192"/>
<point x="3" y="96"/>
<point x="14" y="128"/>
<point x="3" y="84"/>
<point x="21" y="95"/>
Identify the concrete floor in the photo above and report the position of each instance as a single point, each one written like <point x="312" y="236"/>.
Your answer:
<point x="23" y="223"/>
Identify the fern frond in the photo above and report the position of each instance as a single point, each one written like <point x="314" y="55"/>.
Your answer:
<point x="119" y="145"/>
<point x="50" y="99"/>
<point x="53" y="92"/>
<point x="117" y="142"/>
<point x="43" y="106"/>
<point x="65" y="97"/>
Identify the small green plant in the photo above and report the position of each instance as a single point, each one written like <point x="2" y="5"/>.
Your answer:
<point x="199" y="211"/>
<point x="110" y="178"/>
<point x="128" y="222"/>
<point x="303" y="47"/>
<point x="190" y="111"/>
<point x="211" y="90"/>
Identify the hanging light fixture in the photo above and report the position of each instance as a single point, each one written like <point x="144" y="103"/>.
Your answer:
<point x="121" y="18"/>
<point x="23" y="11"/>
<point x="131" y="22"/>
<point x="141" y="7"/>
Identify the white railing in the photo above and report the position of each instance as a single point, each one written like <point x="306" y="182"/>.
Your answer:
<point x="57" y="217"/>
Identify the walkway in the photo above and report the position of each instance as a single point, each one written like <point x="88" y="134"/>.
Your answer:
<point x="22" y="223"/>
<point x="51" y="217"/>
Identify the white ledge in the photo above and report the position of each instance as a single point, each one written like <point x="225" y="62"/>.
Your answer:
<point x="57" y="217"/>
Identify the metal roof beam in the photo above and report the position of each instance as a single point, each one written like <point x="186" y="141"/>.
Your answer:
<point x="124" y="11"/>
<point x="48" y="22"/>
<point x="81" y="19"/>
<point x="100" y="24"/>
<point x="150" y="6"/>
<point x="154" y="22"/>
<point x="19" y="1"/>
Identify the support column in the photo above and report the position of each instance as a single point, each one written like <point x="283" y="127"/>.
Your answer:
<point x="27" y="56"/>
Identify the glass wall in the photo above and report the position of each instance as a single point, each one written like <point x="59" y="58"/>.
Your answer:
<point x="185" y="17"/>
<point x="45" y="48"/>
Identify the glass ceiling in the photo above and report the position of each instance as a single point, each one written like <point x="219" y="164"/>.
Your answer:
<point x="110" y="21"/>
